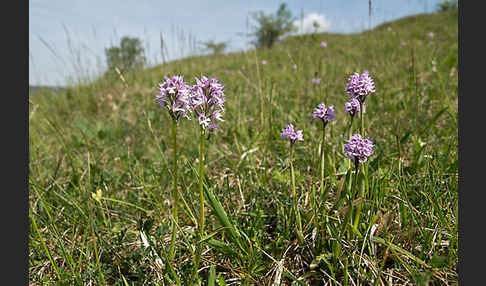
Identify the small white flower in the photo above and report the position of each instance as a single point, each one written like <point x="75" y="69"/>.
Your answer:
<point x="144" y="239"/>
<point x="204" y="121"/>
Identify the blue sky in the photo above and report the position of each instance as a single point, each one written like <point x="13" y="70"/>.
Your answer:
<point x="67" y="38"/>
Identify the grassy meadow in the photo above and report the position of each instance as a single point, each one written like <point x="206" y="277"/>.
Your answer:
<point x="101" y="155"/>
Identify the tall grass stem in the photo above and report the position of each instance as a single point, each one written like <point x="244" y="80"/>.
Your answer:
<point x="34" y="224"/>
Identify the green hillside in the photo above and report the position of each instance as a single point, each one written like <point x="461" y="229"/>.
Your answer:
<point x="113" y="136"/>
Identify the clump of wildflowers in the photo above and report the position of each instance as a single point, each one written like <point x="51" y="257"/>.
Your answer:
<point x="290" y="133"/>
<point x="352" y="107"/>
<point x="360" y="86"/>
<point x="174" y="95"/>
<point x="326" y="114"/>
<point x="316" y="80"/>
<point x="324" y="44"/>
<point x="358" y="149"/>
<point x="207" y="101"/>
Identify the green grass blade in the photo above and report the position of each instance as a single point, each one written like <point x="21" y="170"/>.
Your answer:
<point x="401" y="250"/>
<point x="212" y="276"/>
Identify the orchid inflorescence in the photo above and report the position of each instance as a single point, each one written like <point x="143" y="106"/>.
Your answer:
<point x="352" y="107"/>
<point x="293" y="135"/>
<point x="326" y="114"/>
<point x="205" y="98"/>
<point x="174" y="95"/>
<point x="358" y="149"/>
<point x="360" y="86"/>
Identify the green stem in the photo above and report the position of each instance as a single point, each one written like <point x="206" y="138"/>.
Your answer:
<point x="294" y="196"/>
<point x="322" y="156"/>
<point x="350" y="130"/>
<point x="350" y="196"/>
<point x="175" y="193"/>
<point x="362" y="119"/>
<point x="292" y="176"/>
<point x="363" y="185"/>
<point x="323" y="191"/>
<point x="197" y="257"/>
<point x="358" y="208"/>
<point x="201" y="193"/>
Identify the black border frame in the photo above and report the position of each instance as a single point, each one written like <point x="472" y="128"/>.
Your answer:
<point x="15" y="159"/>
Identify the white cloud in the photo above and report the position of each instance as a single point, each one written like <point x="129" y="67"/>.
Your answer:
<point x="307" y="25"/>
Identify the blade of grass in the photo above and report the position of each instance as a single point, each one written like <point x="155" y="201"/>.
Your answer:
<point x="212" y="276"/>
<point x="34" y="224"/>
<point x="401" y="250"/>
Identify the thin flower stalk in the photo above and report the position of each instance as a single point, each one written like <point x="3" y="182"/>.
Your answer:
<point x="197" y="257"/>
<point x="365" y="165"/>
<point x="326" y="115"/>
<point x="350" y="130"/>
<point x="294" y="197"/>
<point x="293" y="136"/>
<point x="358" y="207"/>
<point x="323" y="158"/>
<point x="361" y="114"/>
<point x="175" y="193"/>
<point x="174" y="96"/>
<point x="207" y="102"/>
<point x="352" y="108"/>
<point x="201" y="176"/>
<point x="323" y="191"/>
